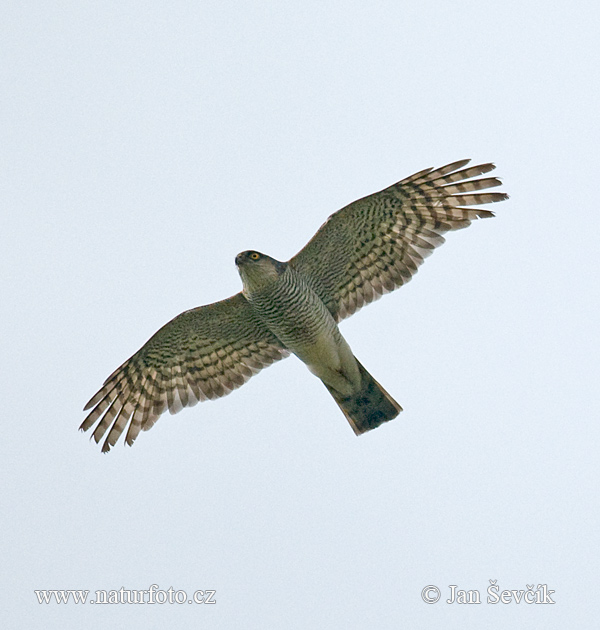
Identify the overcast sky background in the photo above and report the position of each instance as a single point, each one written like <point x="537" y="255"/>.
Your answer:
<point x="143" y="145"/>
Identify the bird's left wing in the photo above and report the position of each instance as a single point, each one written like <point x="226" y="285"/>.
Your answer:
<point x="376" y="244"/>
<point x="206" y="352"/>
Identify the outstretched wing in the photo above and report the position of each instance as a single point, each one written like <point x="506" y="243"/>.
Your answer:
<point x="375" y="244"/>
<point x="206" y="352"/>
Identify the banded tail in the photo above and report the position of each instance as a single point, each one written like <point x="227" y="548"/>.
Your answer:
<point x="369" y="407"/>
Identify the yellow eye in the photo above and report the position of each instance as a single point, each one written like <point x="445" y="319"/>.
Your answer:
<point x="254" y="256"/>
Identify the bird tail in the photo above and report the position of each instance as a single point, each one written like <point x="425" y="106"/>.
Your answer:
<point x="369" y="407"/>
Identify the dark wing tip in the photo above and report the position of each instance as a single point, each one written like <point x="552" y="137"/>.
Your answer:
<point x="458" y="164"/>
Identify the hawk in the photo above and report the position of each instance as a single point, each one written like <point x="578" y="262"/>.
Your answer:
<point x="364" y="250"/>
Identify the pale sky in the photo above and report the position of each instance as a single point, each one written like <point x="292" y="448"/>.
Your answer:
<point x="145" y="144"/>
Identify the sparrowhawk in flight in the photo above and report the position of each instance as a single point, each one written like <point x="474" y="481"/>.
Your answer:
<point x="364" y="250"/>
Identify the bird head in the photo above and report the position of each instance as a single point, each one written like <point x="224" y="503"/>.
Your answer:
<point x="258" y="270"/>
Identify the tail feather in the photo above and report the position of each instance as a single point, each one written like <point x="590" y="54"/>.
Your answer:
<point x="369" y="407"/>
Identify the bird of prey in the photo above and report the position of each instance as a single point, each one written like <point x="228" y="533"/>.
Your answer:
<point x="364" y="250"/>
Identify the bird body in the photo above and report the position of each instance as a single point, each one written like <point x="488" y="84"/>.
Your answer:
<point x="297" y="316"/>
<point x="364" y="250"/>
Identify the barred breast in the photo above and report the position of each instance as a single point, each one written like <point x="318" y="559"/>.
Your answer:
<point x="293" y="311"/>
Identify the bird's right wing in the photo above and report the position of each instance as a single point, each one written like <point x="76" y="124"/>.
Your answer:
<point x="203" y="353"/>
<point x="376" y="244"/>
